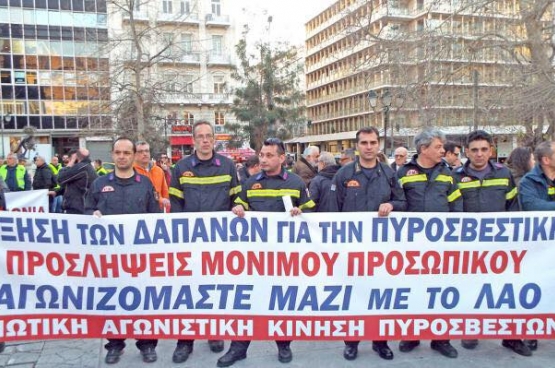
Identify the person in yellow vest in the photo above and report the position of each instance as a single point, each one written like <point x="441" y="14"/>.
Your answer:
<point x="100" y="170"/>
<point x="15" y="175"/>
<point x="55" y="166"/>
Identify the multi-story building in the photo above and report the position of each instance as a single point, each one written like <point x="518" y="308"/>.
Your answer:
<point x="54" y="77"/>
<point x="404" y="64"/>
<point x="188" y="58"/>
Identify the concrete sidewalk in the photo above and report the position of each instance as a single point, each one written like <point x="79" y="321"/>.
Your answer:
<point x="90" y="354"/>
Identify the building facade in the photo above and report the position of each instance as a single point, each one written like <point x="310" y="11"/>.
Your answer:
<point x="186" y="63"/>
<point x="54" y="77"/>
<point x="402" y="65"/>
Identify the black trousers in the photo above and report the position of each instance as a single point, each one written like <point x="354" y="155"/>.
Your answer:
<point x="181" y="343"/>
<point x="355" y="343"/>
<point x="119" y="344"/>
<point x="243" y="345"/>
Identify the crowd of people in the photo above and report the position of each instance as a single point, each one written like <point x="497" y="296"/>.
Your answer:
<point x="362" y="180"/>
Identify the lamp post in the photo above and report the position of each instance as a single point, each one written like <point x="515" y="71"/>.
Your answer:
<point x="386" y="98"/>
<point x="6" y="118"/>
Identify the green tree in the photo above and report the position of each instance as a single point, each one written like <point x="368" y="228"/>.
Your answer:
<point x="268" y="100"/>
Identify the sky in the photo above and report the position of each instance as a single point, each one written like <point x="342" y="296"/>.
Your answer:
<point x="288" y="17"/>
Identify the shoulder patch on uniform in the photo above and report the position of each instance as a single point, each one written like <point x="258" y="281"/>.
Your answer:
<point x="188" y="174"/>
<point x="466" y="179"/>
<point x="459" y="169"/>
<point x="256" y="186"/>
<point x="352" y="184"/>
<point x="412" y="172"/>
<point x="108" y="188"/>
<point x="332" y="188"/>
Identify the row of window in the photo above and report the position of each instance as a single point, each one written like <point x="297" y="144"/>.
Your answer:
<point x="62" y="48"/>
<point x="54" y="93"/>
<point x="100" y="122"/>
<point x="53" y="18"/>
<point x="63" y="108"/>
<point x="75" y="5"/>
<point x="53" y="63"/>
<point x="43" y="32"/>
<point x="54" y="78"/>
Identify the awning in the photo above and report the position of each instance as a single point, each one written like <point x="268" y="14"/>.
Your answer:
<point x="181" y="141"/>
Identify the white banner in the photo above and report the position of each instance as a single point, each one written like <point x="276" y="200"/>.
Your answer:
<point x="272" y="276"/>
<point x="28" y="201"/>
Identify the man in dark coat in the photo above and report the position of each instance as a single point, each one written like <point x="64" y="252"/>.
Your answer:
<point x="319" y="188"/>
<point x="44" y="178"/>
<point x="76" y="178"/>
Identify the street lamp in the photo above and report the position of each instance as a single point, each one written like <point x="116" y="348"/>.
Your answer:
<point x="386" y="98"/>
<point x="7" y="118"/>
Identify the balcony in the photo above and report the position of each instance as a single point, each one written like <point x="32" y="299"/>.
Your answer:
<point x="185" y="18"/>
<point x="138" y="16"/>
<point x="197" y="98"/>
<point x="219" y="59"/>
<point x="214" y="20"/>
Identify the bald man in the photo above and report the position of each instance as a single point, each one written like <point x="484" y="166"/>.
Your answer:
<point x="400" y="154"/>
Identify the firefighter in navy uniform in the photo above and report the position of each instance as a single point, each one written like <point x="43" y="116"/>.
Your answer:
<point x="486" y="187"/>
<point x="123" y="191"/>
<point x="264" y="192"/>
<point x="202" y="182"/>
<point x="536" y="190"/>
<point x="367" y="185"/>
<point x="429" y="187"/>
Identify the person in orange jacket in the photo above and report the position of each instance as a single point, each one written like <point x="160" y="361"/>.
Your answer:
<point x="144" y="166"/>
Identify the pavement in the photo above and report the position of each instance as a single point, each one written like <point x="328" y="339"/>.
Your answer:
<point x="316" y="354"/>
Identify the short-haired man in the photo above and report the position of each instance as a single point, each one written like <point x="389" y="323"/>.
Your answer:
<point x="144" y="166"/>
<point x="367" y="185"/>
<point x="347" y="155"/>
<point x="56" y="166"/>
<point x="401" y="156"/>
<point x="250" y="168"/>
<point x="452" y="154"/>
<point x="202" y="182"/>
<point x="320" y="185"/>
<point x="536" y="190"/>
<point x="15" y="175"/>
<point x="100" y="170"/>
<point x="430" y="187"/>
<point x="264" y="192"/>
<point x="486" y="187"/>
<point x="305" y="166"/>
<point x="121" y="192"/>
<point x="75" y="179"/>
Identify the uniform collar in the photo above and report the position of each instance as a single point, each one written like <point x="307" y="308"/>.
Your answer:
<point x="214" y="161"/>
<point x="283" y="175"/>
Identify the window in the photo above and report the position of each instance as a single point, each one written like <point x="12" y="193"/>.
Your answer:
<point x="219" y="118"/>
<point x="185" y="7"/>
<point x="219" y="84"/>
<point x="217" y="44"/>
<point x="216" y="7"/>
<point x="167" y="44"/>
<point x="188" y="83"/>
<point x="189" y="118"/>
<point x="186" y="43"/>
<point x="167" y="6"/>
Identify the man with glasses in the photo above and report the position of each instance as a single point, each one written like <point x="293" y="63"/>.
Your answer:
<point x="264" y="192"/>
<point x="202" y="182"/>
<point x="400" y="155"/>
<point x="144" y="166"/>
<point x="452" y="154"/>
<point x="487" y="187"/>
<point x="165" y="164"/>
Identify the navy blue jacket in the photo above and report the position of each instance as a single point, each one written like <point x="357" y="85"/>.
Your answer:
<point x="113" y="196"/>
<point x="437" y="192"/>
<point x="535" y="191"/>
<point x="352" y="191"/>
<point x="319" y="188"/>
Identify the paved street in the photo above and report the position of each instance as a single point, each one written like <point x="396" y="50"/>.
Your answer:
<point x="89" y="354"/>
